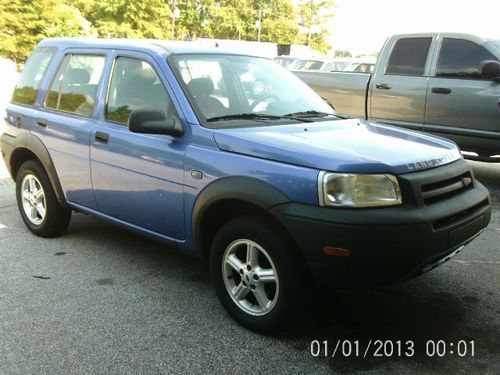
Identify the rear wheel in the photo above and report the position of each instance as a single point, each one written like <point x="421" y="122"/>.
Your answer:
<point x="258" y="274"/>
<point x="37" y="202"/>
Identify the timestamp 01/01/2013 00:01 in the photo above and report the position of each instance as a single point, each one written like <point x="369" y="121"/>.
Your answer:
<point x="391" y="348"/>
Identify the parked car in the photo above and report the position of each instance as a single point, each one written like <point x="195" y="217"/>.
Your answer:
<point x="336" y="65"/>
<point x="278" y="192"/>
<point x="357" y="65"/>
<point x="284" y="61"/>
<point x="443" y="83"/>
<point x="306" y="64"/>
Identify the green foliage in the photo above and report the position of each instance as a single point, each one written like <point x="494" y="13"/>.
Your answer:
<point x="194" y="18"/>
<point x="279" y="23"/>
<point x="126" y="18"/>
<point x="23" y="23"/>
<point x="313" y="15"/>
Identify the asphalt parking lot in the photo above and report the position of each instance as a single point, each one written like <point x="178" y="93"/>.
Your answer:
<point x="102" y="300"/>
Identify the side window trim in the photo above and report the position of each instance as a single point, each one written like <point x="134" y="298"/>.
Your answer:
<point x="64" y="56"/>
<point x="135" y="56"/>
<point x="427" y="57"/>
<point x="63" y="61"/>
<point x="438" y="59"/>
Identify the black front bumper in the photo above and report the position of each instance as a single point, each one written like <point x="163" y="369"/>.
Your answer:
<point x="385" y="244"/>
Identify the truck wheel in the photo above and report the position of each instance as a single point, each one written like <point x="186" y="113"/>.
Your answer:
<point x="258" y="275"/>
<point x="37" y="202"/>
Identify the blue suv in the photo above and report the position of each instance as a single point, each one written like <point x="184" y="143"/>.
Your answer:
<point x="277" y="191"/>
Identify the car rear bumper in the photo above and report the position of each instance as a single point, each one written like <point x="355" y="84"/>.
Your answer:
<point x="384" y="245"/>
<point x="7" y="145"/>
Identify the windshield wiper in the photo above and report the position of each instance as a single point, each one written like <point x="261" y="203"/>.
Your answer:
<point x="245" y="116"/>
<point x="306" y="114"/>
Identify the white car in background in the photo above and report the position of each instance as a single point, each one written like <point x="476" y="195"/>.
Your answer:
<point x="306" y="64"/>
<point x="364" y="64"/>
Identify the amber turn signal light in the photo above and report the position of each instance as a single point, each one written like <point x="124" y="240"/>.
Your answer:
<point x="336" y="251"/>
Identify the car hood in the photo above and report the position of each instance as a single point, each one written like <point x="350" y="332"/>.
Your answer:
<point x="341" y="145"/>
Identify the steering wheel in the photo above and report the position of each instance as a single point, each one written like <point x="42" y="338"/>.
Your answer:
<point x="262" y="98"/>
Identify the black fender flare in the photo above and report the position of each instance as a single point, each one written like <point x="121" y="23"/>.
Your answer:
<point x="250" y="190"/>
<point x="32" y="143"/>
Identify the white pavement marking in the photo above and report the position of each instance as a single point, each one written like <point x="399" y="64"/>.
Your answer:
<point x="477" y="261"/>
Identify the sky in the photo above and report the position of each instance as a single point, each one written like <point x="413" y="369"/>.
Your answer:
<point x="362" y="26"/>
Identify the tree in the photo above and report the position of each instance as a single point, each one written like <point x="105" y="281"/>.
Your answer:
<point x="66" y="20"/>
<point x="23" y="23"/>
<point x="313" y="15"/>
<point x="194" y="17"/>
<point x="279" y="23"/>
<point x="128" y="18"/>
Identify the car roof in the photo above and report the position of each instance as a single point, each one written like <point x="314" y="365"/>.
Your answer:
<point x="154" y="45"/>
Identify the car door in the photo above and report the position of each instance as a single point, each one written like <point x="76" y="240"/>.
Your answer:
<point x="399" y="87"/>
<point x="65" y="119"/>
<point x="138" y="178"/>
<point x="462" y="104"/>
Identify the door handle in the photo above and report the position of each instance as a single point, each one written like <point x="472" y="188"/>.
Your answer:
<point x="383" y="86"/>
<point x="441" y="90"/>
<point x="101" y="137"/>
<point x="41" y="122"/>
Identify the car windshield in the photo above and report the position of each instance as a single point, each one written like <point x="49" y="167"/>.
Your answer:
<point x="243" y="89"/>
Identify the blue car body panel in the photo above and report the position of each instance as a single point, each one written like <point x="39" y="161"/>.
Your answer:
<point x="340" y="145"/>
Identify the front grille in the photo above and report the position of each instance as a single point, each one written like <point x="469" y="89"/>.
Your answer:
<point x="459" y="216"/>
<point x="438" y="191"/>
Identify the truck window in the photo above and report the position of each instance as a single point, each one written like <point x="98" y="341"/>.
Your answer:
<point x="135" y="85"/>
<point x="75" y="84"/>
<point x="29" y="81"/>
<point x="461" y="58"/>
<point x="408" y="56"/>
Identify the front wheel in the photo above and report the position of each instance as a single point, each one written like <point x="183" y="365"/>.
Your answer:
<point x="258" y="274"/>
<point x="37" y="202"/>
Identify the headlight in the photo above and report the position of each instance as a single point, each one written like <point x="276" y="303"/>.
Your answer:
<point x="358" y="190"/>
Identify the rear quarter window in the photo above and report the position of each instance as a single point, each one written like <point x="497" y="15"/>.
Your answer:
<point x="27" y="87"/>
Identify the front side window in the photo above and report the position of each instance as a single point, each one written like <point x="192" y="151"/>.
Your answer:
<point x="135" y="85"/>
<point x="74" y="88"/>
<point x="408" y="57"/>
<point x="461" y="58"/>
<point x="222" y="85"/>
<point x="29" y="81"/>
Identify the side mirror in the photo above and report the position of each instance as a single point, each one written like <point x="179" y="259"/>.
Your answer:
<point x="490" y="69"/>
<point x="148" y="121"/>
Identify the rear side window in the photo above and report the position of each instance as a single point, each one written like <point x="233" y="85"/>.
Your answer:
<point x="408" y="56"/>
<point x="74" y="88"/>
<point x="461" y="58"/>
<point x="29" y="81"/>
<point x="135" y="85"/>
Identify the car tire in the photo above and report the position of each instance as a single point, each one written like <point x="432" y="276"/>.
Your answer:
<point x="244" y="284"/>
<point x="37" y="202"/>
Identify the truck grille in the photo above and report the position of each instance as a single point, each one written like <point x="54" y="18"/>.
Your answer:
<point x="438" y="191"/>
